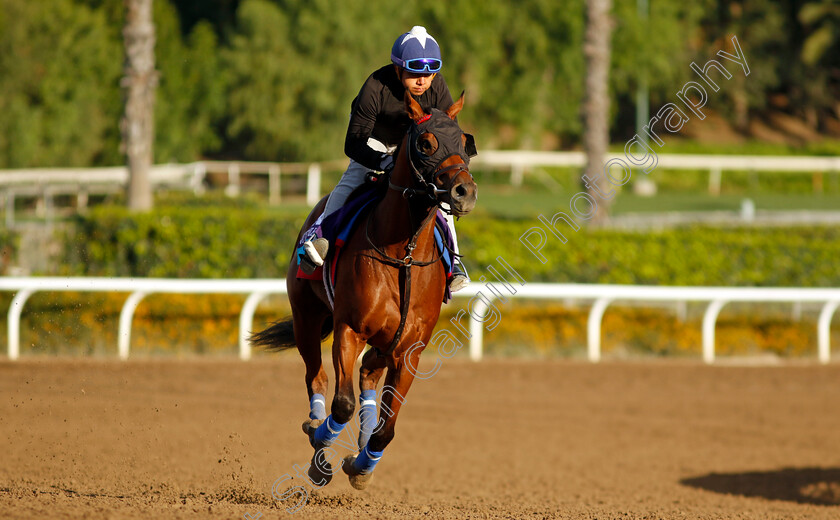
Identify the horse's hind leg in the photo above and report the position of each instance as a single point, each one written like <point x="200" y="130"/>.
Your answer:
<point x="308" y="338"/>
<point x="309" y="329"/>
<point x="347" y="345"/>
<point x="309" y="319"/>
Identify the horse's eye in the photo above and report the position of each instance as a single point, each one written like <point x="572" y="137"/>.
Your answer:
<point x="427" y="144"/>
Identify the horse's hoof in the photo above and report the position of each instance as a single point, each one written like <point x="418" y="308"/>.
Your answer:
<point x="309" y="426"/>
<point x="358" y="480"/>
<point x="319" y="474"/>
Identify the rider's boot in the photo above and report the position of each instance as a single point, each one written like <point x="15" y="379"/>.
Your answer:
<point x="460" y="279"/>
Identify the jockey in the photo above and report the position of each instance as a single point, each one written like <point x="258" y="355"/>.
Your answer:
<point x="378" y="123"/>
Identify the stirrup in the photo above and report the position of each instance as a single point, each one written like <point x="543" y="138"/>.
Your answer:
<point x="316" y="250"/>
<point x="306" y="265"/>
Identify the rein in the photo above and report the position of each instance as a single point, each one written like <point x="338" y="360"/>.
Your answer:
<point x="408" y="260"/>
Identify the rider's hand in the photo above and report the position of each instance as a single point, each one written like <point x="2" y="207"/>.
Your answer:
<point x="386" y="164"/>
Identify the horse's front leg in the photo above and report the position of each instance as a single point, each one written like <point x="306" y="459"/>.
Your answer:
<point x="347" y="345"/>
<point x="373" y="366"/>
<point x="397" y="382"/>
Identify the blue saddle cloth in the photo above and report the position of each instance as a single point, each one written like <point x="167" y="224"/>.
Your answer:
<point x="337" y="228"/>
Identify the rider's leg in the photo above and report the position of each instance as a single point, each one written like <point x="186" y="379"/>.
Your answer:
<point x="317" y="248"/>
<point x="352" y="179"/>
<point x="460" y="279"/>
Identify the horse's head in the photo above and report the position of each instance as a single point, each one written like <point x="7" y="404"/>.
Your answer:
<point x="439" y="155"/>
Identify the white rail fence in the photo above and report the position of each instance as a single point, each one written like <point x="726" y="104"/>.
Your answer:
<point x="519" y="161"/>
<point x="44" y="184"/>
<point x="138" y="288"/>
<point x="478" y="306"/>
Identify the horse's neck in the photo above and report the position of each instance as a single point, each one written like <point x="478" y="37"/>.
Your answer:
<point x="396" y="219"/>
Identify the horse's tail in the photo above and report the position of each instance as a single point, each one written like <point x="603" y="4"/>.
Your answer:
<point x="280" y="335"/>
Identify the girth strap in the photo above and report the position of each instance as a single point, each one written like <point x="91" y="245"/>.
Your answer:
<point x="403" y="314"/>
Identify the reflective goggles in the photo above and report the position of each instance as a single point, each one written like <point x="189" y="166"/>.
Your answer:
<point x="423" y="65"/>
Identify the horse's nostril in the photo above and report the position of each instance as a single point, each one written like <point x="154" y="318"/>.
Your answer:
<point x="460" y="191"/>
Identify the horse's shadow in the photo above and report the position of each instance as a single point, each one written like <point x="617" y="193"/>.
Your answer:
<point x="819" y="486"/>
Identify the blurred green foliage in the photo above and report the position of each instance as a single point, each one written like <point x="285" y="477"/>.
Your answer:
<point x="181" y="242"/>
<point x="59" y="85"/>
<point x="273" y="79"/>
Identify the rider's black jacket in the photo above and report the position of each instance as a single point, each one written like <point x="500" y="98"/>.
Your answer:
<point x="379" y="112"/>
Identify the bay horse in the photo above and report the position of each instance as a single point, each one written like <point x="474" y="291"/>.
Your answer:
<point x="389" y="289"/>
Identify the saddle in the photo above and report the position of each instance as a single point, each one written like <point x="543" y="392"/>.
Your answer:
<point x="339" y="226"/>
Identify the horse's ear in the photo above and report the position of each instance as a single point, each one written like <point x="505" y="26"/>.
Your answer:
<point x="456" y="107"/>
<point x="415" y="111"/>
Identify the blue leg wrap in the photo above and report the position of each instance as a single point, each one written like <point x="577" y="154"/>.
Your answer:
<point x="367" y="416"/>
<point x="317" y="407"/>
<point x="367" y="460"/>
<point x="328" y="432"/>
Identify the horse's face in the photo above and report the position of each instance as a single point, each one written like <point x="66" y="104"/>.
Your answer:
<point x="439" y="153"/>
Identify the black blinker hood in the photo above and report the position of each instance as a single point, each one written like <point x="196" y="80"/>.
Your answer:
<point x="448" y="135"/>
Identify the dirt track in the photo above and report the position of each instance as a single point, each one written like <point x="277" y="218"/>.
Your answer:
<point x="500" y="439"/>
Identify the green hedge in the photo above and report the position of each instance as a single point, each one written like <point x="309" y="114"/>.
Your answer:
<point x="185" y="242"/>
<point x="248" y="242"/>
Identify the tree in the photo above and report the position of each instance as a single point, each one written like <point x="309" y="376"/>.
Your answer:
<point x="520" y="64"/>
<point x="765" y="41"/>
<point x="822" y="18"/>
<point x="294" y="70"/>
<point x="190" y="94"/>
<point x="139" y="81"/>
<point x="596" y="104"/>
<point x="59" y="99"/>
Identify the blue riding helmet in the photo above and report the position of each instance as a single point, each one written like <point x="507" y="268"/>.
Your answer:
<point x="417" y="51"/>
